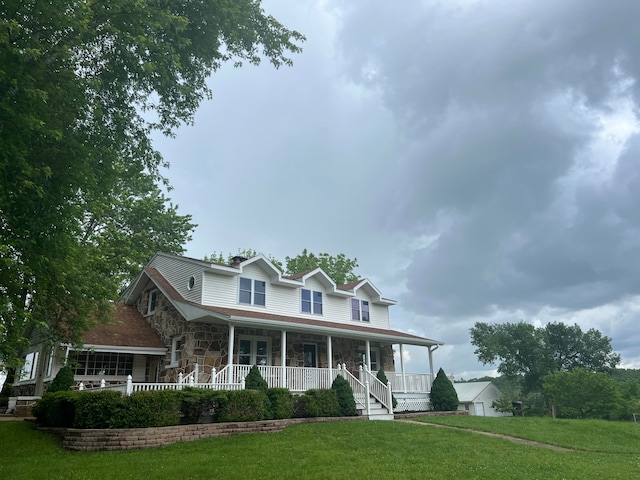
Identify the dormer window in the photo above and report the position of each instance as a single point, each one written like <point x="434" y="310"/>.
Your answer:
<point x="153" y="300"/>
<point x="252" y="292"/>
<point x="360" y="310"/>
<point x="311" y="301"/>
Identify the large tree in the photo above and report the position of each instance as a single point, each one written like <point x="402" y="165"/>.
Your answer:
<point x="339" y="268"/>
<point x="82" y="87"/>
<point x="520" y="349"/>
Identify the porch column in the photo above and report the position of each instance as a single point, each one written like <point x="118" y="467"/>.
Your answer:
<point x="404" y="377"/>
<point x="283" y="356"/>
<point x="232" y="331"/>
<point x="431" y="361"/>
<point x="330" y="356"/>
<point x="367" y="354"/>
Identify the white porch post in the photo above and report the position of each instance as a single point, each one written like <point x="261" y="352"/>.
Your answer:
<point x="330" y="356"/>
<point x="283" y="355"/>
<point x="431" y="362"/>
<point x="367" y="354"/>
<point x="232" y="331"/>
<point x="404" y="377"/>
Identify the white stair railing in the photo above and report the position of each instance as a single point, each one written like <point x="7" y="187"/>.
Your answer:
<point x="359" y="390"/>
<point x="377" y="389"/>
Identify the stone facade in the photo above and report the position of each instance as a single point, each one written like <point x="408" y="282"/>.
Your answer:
<point x="206" y="344"/>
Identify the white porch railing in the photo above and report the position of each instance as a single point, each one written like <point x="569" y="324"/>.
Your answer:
<point x="298" y="380"/>
<point x="410" y="382"/>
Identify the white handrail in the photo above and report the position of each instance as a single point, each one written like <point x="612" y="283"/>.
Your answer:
<point x="359" y="390"/>
<point x="377" y="389"/>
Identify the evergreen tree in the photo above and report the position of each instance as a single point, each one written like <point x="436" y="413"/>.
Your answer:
<point x="443" y="396"/>
<point x="62" y="381"/>
<point x="345" y="396"/>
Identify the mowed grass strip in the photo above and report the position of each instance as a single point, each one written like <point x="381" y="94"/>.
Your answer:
<point x="585" y="435"/>
<point x="311" y="451"/>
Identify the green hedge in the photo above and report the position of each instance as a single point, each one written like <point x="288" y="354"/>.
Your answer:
<point x="281" y="403"/>
<point x="243" y="406"/>
<point x="57" y="409"/>
<point x="320" y="402"/>
<point x="197" y="403"/>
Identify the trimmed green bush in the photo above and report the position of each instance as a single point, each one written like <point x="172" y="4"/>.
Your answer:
<point x="243" y="406"/>
<point x="198" y="402"/>
<point x="321" y="402"/>
<point x="383" y="378"/>
<point x="57" y="409"/>
<point x="151" y="409"/>
<point x="344" y="394"/>
<point x="443" y="395"/>
<point x="281" y="402"/>
<point x="62" y="381"/>
<point x="254" y="380"/>
<point x="104" y="409"/>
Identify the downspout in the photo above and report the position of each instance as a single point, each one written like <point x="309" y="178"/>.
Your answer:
<point x="431" y="359"/>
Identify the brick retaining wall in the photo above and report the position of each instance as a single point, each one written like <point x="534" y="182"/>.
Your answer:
<point x="137" y="438"/>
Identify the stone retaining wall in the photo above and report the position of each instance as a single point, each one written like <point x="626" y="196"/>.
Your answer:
<point x="137" y="438"/>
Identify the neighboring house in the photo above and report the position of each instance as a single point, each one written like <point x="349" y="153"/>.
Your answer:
<point x="477" y="397"/>
<point x="211" y="322"/>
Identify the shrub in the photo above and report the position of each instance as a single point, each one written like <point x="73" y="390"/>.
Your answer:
<point x="281" y="402"/>
<point x="62" y="381"/>
<point x="151" y="409"/>
<point x="443" y="394"/>
<point x="320" y="402"/>
<point x="243" y="406"/>
<point x="103" y="409"/>
<point x="254" y="380"/>
<point x="344" y="394"/>
<point x="196" y="402"/>
<point x="383" y="378"/>
<point x="304" y="406"/>
<point x="57" y="409"/>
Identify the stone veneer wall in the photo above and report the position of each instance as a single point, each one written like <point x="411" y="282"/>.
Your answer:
<point x="207" y="344"/>
<point x="137" y="438"/>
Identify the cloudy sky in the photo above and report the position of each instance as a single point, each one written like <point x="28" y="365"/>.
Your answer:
<point x="478" y="158"/>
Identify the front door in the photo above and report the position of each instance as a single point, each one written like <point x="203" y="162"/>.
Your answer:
<point x="310" y="355"/>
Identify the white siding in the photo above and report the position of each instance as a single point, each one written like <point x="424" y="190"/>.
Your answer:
<point x="223" y="291"/>
<point x="139" y="367"/>
<point x="177" y="272"/>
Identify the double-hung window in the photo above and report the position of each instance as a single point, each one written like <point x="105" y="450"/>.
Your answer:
<point x="311" y="301"/>
<point x="360" y="310"/>
<point x="153" y="301"/>
<point x="253" y="292"/>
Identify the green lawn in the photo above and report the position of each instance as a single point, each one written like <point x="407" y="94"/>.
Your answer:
<point x="337" y="450"/>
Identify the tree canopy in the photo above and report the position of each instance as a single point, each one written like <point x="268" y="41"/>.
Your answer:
<point x="339" y="268"/>
<point x="522" y="349"/>
<point x="443" y="396"/>
<point x="82" y="87"/>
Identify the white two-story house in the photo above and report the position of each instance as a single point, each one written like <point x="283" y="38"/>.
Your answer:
<point x="212" y="322"/>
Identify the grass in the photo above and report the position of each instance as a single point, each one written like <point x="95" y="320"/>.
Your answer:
<point x="596" y="436"/>
<point x="333" y="451"/>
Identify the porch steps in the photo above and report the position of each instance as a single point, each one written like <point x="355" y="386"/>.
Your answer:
<point x="376" y="410"/>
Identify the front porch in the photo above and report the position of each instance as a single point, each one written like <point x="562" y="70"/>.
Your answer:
<point x="410" y="390"/>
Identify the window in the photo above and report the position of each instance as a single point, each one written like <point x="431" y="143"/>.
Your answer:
<point x="104" y="364"/>
<point x="29" y="367"/>
<point x="254" y="351"/>
<point x="375" y="366"/>
<point x="191" y="283"/>
<point x="153" y="301"/>
<point x="253" y="292"/>
<point x="360" y="310"/>
<point x="176" y="344"/>
<point x="309" y="355"/>
<point x="311" y="301"/>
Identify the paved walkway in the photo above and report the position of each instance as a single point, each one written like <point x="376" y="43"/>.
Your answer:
<point x="491" y="434"/>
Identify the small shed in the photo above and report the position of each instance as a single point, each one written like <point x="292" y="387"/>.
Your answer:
<point x="477" y="397"/>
